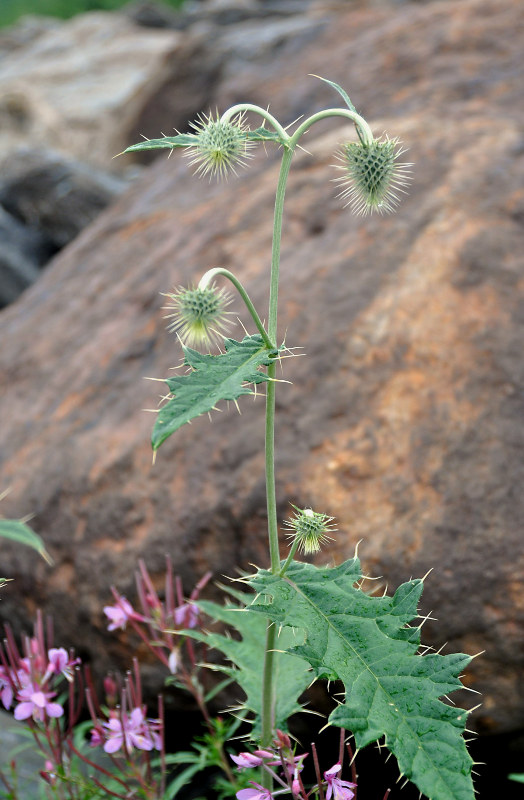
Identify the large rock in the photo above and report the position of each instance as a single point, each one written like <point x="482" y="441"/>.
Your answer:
<point x="82" y="86"/>
<point x="405" y="419"/>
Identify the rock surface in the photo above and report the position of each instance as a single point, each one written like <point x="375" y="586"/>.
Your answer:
<point x="46" y="199"/>
<point x="405" y="419"/>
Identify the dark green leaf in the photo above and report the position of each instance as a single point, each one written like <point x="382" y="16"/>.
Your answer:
<point x="292" y="675"/>
<point x="212" y="379"/>
<point x="391" y="690"/>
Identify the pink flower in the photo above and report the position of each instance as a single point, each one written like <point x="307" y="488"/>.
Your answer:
<point x="136" y="731"/>
<point x="246" y="760"/>
<point x="339" y="790"/>
<point x="59" y="662"/>
<point x="258" y="793"/>
<point x="119" y="614"/>
<point x="186" y="615"/>
<point x="36" y="703"/>
<point x="6" y="690"/>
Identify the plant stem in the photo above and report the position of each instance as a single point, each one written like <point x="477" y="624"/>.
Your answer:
<point x="208" y="277"/>
<point x="274" y="552"/>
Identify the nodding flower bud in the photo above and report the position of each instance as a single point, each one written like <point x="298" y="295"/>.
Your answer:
<point x="218" y="146"/>
<point x="372" y="177"/>
<point x="199" y="315"/>
<point x="310" y="529"/>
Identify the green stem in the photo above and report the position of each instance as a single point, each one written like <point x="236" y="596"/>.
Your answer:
<point x="267" y="687"/>
<point x="208" y="277"/>
<point x="290" y="557"/>
<point x="262" y="112"/>
<point x="289" y="143"/>
<point x="363" y="129"/>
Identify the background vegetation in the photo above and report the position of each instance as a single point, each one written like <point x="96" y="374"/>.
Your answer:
<point x="11" y="10"/>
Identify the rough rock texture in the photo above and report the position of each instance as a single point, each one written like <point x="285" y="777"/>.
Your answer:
<point x="81" y="86"/>
<point x="405" y="419"/>
<point x="46" y="199"/>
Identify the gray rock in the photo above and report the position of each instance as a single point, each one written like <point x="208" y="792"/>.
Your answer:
<point x="22" y="251"/>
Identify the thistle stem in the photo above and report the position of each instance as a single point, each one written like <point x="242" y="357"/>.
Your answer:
<point x="208" y="277"/>
<point x="267" y="687"/>
<point x="243" y="107"/>
<point x="363" y="129"/>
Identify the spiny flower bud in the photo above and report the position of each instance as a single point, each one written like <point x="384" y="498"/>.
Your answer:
<point x="372" y="177"/>
<point x="310" y="528"/>
<point x="218" y="146"/>
<point x="199" y="315"/>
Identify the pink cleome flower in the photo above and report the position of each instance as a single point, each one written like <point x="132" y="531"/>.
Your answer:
<point x="34" y="702"/>
<point x="136" y="731"/>
<point x="119" y="614"/>
<point x="257" y="793"/>
<point x="6" y="690"/>
<point x="336" y="788"/>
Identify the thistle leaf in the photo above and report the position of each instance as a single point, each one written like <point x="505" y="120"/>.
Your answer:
<point x="340" y="90"/>
<point x="170" y="142"/>
<point x="212" y="378"/>
<point x="292" y="675"/>
<point x="391" y="690"/>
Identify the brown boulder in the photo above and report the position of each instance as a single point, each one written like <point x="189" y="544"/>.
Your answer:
<point x="405" y="419"/>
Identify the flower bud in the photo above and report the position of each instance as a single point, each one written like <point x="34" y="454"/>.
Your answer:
<point x="310" y="529"/>
<point x="199" y="315"/>
<point x="218" y="146"/>
<point x="372" y="177"/>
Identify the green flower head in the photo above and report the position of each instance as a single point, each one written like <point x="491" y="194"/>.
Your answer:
<point x="218" y="146"/>
<point x="310" y="528"/>
<point x="372" y="178"/>
<point x="199" y="316"/>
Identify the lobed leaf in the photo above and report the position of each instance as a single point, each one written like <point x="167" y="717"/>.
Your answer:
<point x="391" y="690"/>
<point x="292" y="675"/>
<point x="212" y="378"/>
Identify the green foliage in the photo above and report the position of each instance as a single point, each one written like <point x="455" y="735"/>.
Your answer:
<point x="292" y="675"/>
<point x="11" y="10"/>
<point x="391" y="690"/>
<point x="212" y="379"/>
<point x="18" y="531"/>
<point x="166" y="143"/>
<point x="189" y="139"/>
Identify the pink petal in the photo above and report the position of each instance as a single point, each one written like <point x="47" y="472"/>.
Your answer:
<point x="23" y="710"/>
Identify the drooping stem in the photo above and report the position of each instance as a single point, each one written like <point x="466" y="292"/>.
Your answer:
<point x="208" y="277"/>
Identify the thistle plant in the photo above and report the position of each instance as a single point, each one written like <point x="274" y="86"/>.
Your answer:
<point x="314" y="622"/>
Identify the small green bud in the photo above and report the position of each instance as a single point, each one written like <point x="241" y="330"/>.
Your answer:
<point x="218" y="146"/>
<point x="199" y="315"/>
<point x="372" y="177"/>
<point x="310" y="528"/>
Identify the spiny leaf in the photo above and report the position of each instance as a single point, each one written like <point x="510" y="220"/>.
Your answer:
<point x="340" y="90"/>
<point x="170" y="142"/>
<point x="391" y="690"/>
<point x="18" y="531"/>
<point x="292" y="675"/>
<point x="212" y="379"/>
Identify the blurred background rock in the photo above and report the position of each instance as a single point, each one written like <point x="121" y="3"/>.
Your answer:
<point x="406" y="422"/>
